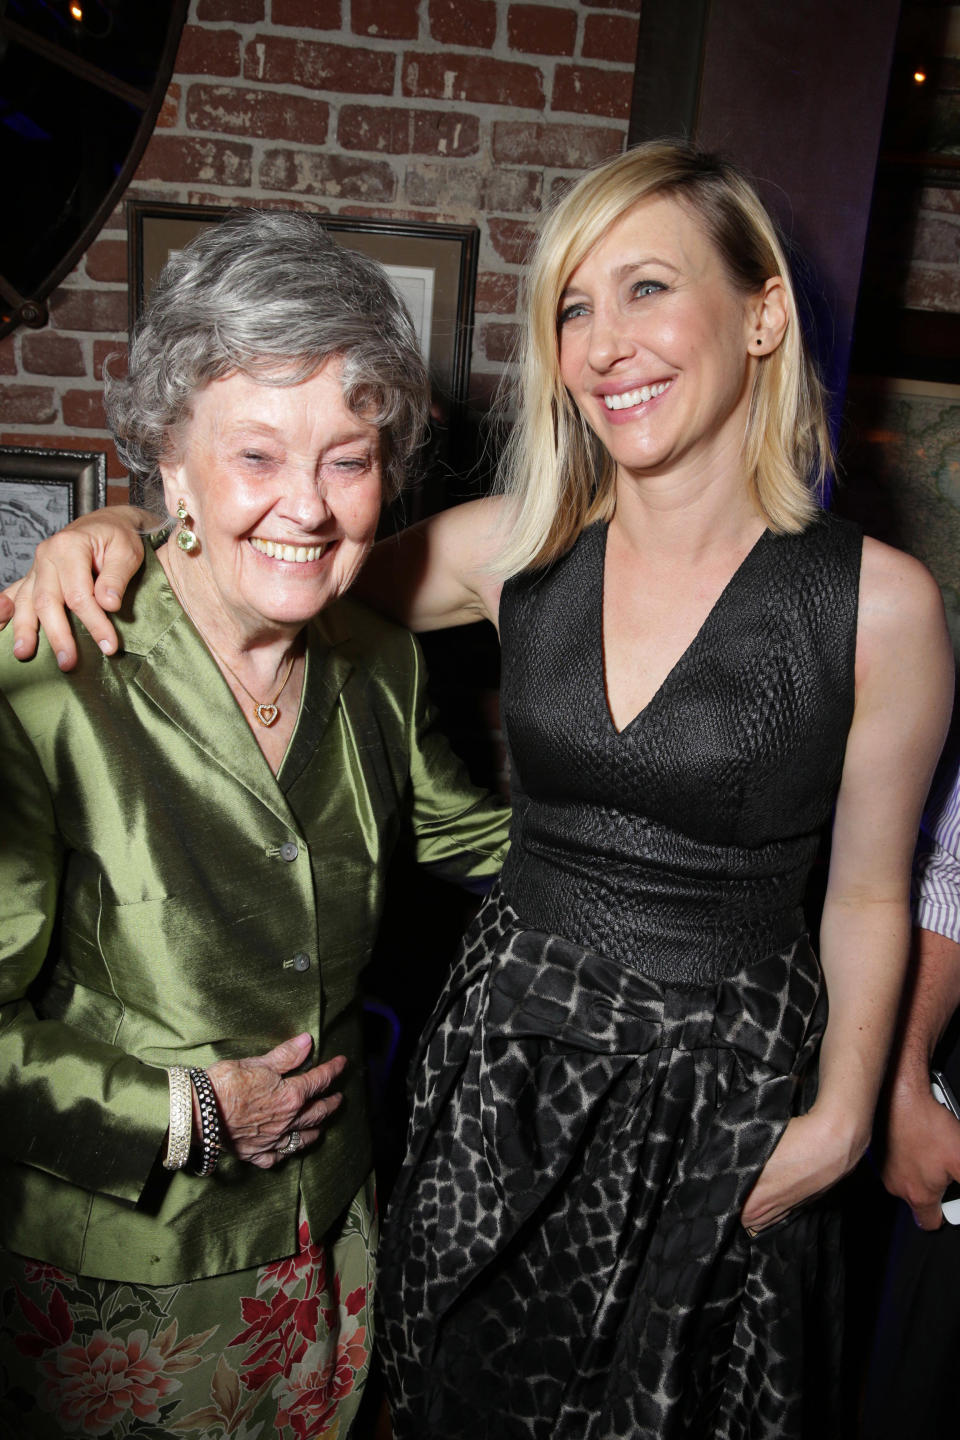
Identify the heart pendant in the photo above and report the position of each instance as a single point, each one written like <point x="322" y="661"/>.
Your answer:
<point x="266" y="714"/>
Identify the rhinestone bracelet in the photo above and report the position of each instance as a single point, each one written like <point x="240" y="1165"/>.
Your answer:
<point x="209" y="1122"/>
<point x="181" y="1118"/>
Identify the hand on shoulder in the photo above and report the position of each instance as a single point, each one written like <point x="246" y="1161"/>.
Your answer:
<point x="83" y="569"/>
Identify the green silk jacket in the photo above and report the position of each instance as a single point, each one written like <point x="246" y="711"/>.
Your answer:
<point x="164" y="899"/>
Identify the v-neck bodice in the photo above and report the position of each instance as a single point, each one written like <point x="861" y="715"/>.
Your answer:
<point x="681" y="843"/>
<point x="711" y="621"/>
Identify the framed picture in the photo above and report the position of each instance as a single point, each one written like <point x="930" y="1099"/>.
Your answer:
<point x="434" y="267"/>
<point x="900" y="331"/>
<point x="899" y="473"/>
<point x="40" y="492"/>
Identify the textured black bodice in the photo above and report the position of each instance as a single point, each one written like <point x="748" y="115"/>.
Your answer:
<point x="681" y="845"/>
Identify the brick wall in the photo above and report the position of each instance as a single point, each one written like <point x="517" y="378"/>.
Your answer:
<point x="469" y="111"/>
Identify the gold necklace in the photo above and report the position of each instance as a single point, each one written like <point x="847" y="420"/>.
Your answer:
<point x="267" y="713"/>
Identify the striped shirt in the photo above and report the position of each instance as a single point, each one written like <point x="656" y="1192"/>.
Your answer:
<point x="936" y="867"/>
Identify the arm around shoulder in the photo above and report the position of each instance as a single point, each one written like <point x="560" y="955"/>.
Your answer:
<point x="84" y="569"/>
<point x="439" y="572"/>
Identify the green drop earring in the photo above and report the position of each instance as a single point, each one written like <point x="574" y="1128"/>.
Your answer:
<point x="186" y="538"/>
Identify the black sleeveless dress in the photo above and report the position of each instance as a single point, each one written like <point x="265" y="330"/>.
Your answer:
<point x="634" y="1018"/>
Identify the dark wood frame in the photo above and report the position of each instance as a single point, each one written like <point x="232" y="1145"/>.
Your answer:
<point x="907" y="343"/>
<point x="82" y="474"/>
<point x="451" y="250"/>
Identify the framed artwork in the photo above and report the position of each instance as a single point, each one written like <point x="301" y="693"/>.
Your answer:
<point x="900" y="331"/>
<point x="41" y="491"/>
<point x="434" y="267"/>
<point x="899" y="476"/>
<point x="908" y="320"/>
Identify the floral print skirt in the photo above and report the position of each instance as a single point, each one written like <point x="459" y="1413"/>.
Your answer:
<point x="280" y="1352"/>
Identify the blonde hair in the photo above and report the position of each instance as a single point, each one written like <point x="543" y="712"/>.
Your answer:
<point x="558" y="475"/>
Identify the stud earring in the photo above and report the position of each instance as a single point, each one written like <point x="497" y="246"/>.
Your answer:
<point x="186" y="538"/>
<point x="758" y="341"/>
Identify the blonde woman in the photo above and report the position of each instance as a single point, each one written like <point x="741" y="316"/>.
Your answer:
<point x="631" y="1105"/>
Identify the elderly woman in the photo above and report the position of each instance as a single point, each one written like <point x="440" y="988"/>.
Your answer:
<point x="631" y="1098"/>
<point x="191" y="872"/>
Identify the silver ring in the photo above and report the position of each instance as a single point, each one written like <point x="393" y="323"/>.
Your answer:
<point x="292" y="1145"/>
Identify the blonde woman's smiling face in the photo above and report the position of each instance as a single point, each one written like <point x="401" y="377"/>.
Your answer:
<point x="283" y="486"/>
<point x="653" y="342"/>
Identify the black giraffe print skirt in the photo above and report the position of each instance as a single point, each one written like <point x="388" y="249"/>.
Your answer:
<point x="563" y="1254"/>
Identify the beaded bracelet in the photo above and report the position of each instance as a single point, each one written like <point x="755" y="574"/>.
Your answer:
<point x="209" y="1122"/>
<point x="181" y="1118"/>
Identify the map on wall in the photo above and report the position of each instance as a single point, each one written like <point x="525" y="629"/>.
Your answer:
<point x="900" y="475"/>
<point x="29" y="512"/>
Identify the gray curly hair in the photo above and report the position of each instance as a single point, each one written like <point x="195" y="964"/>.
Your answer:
<point x="269" y="294"/>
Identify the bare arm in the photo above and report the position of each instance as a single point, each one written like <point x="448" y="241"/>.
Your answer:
<point x="904" y="688"/>
<point x="85" y="569"/>
<point x="433" y="574"/>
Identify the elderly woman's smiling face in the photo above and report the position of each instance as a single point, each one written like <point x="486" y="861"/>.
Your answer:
<point x="283" y="486"/>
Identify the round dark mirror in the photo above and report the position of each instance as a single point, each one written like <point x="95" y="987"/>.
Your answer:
<point x="81" y="82"/>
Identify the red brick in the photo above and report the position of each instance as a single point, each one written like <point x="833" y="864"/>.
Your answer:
<point x="8" y="359"/>
<point x="393" y="130"/>
<point x="933" y="197"/>
<point x="567" y="147"/>
<point x="518" y="190"/>
<point x="215" y="162"/>
<point x="496" y="294"/>
<point x="559" y="186"/>
<point x="315" y="65"/>
<point x="442" y="185"/>
<point x="933" y="287"/>
<point x="483" y="389"/>
<point x="102" y="351"/>
<point x="464" y="22"/>
<point x="500" y="341"/>
<point x="101" y="310"/>
<point x="479" y="79"/>
<point x="107" y="260"/>
<point x="936" y="240"/>
<point x="386" y="19"/>
<point x="333" y="175"/>
<point x="541" y="29"/>
<point x="633" y="6"/>
<point x="609" y="37"/>
<point x="240" y="12"/>
<point x="592" y="90"/>
<point x="169" y="116"/>
<point x="208" y="52"/>
<point x="46" y="353"/>
<point x="27" y="404"/>
<point x="261" y="113"/>
<point x="512" y="240"/>
<point x="306" y="14"/>
<point x="84" y="409"/>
